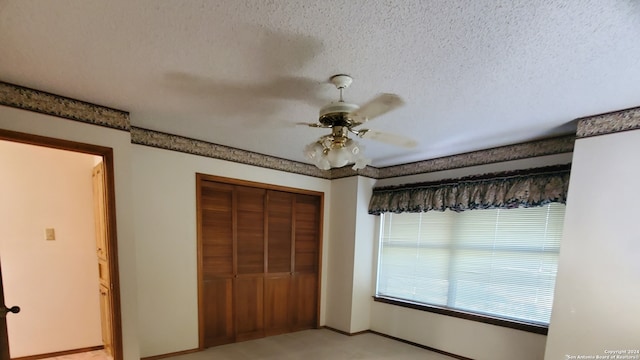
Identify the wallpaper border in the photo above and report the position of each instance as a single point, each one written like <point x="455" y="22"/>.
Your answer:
<point x="178" y="143"/>
<point x="551" y="146"/>
<point x="141" y="136"/>
<point x="43" y="102"/>
<point x="39" y="101"/>
<point x="608" y="123"/>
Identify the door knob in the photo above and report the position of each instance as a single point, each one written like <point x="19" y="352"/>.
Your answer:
<point x="13" y="309"/>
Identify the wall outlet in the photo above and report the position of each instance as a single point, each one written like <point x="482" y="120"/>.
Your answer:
<point x="49" y="234"/>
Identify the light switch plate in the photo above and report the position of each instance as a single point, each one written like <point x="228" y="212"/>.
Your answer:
<point x="49" y="234"/>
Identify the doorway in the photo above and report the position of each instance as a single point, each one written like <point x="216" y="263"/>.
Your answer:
<point x="109" y="287"/>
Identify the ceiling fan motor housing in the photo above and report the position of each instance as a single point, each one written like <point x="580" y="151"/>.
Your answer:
<point x="335" y="114"/>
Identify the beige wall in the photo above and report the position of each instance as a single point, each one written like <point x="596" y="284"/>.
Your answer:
<point x="164" y="185"/>
<point x="352" y="271"/>
<point x="458" y="336"/>
<point x="363" y="258"/>
<point x="597" y="299"/>
<point x="45" y="125"/>
<point x="350" y="255"/>
<point x="54" y="282"/>
<point x="155" y="199"/>
<point x="340" y="253"/>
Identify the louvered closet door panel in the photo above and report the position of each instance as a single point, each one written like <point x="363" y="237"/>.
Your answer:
<point x="216" y="211"/>
<point x="249" y="307"/>
<point x="279" y="220"/>
<point x="218" y="312"/>
<point x="307" y="233"/>
<point x="277" y="304"/>
<point x="216" y="229"/>
<point x="250" y="230"/>
<point x="305" y="295"/>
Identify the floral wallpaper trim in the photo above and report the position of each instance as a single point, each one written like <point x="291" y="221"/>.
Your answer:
<point x="45" y="103"/>
<point x="50" y="104"/>
<point x="557" y="145"/>
<point x="347" y="171"/>
<point x="166" y="141"/>
<point x="608" y="123"/>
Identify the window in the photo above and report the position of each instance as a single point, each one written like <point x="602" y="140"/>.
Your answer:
<point x="498" y="262"/>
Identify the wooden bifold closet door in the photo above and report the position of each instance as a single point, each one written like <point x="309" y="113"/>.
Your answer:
<point x="258" y="259"/>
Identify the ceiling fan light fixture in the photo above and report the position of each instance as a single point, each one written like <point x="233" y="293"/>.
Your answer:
<point x="338" y="157"/>
<point x="361" y="163"/>
<point x="336" y="150"/>
<point x="326" y="154"/>
<point x="353" y="147"/>
<point x="313" y="151"/>
<point x="323" y="163"/>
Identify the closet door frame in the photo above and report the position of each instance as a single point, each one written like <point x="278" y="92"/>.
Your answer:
<point x="200" y="178"/>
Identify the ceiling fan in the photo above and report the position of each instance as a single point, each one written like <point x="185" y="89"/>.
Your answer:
<point x="337" y="149"/>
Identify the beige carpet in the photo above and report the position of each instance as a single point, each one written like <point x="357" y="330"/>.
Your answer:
<point x="314" y="345"/>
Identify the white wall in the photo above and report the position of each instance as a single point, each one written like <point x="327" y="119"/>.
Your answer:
<point x="350" y="255"/>
<point x="462" y="337"/>
<point x="55" y="283"/>
<point x="161" y="260"/>
<point x="45" y="125"/>
<point x="597" y="298"/>
<point x="458" y="336"/>
<point x="164" y="184"/>
<point x="363" y="258"/>
<point x="340" y="254"/>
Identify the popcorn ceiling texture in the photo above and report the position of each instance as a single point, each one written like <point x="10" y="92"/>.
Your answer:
<point x="474" y="75"/>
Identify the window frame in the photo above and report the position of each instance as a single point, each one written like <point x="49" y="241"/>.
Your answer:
<point x="486" y="319"/>
<point x="523" y="325"/>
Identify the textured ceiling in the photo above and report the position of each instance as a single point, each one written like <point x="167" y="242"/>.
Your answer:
<point x="241" y="73"/>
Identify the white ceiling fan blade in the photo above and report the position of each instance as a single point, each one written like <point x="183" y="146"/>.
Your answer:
<point x="377" y="106"/>
<point x="391" y="139"/>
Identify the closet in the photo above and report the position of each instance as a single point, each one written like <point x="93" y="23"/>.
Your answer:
<point x="258" y="259"/>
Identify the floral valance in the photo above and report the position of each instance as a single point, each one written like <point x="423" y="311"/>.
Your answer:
<point x="526" y="188"/>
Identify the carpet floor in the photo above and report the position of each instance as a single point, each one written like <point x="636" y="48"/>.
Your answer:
<point x="316" y="345"/>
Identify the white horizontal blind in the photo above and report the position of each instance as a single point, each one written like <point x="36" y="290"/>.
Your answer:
<point x="499" y="262"/>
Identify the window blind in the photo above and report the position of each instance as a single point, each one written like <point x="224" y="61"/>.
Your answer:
<point x="497" y="262"/>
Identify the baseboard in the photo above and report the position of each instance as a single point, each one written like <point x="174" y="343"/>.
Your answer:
<point x="162" y="356"/>
<point x="398" y="339"/>
<point x="421" y="346"/>
<point x="59" y="353"/>
<point x="344" y="332"/>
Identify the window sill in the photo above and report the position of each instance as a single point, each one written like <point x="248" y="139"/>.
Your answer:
<point x="513" y="324"/>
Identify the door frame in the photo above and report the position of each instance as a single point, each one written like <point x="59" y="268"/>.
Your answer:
<point x="110" y="210"/>
<point x="4" y="341"/>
